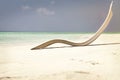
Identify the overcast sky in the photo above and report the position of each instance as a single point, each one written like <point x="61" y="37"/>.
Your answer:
<point x="57" y="15"/>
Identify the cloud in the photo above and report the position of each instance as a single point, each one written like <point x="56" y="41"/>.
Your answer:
<point x="52" y="2"/>
<point x="45" y="11"/>
<point x="26" y="7"/>
<point x="24" y="0"/>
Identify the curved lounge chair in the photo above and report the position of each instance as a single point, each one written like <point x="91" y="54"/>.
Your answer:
<point x="93" y="38"/>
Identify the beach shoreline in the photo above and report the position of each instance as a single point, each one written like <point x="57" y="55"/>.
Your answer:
<point x="99" y="61"/>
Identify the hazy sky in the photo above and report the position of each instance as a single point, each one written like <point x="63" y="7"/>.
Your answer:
<point x="57" y="15"/>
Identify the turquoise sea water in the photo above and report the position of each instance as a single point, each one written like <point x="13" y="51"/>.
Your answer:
<point x="34" y="37"/>
<point x="38" y="37"/>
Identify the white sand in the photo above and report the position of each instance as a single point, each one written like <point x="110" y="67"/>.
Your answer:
<point x="96" y="62"/>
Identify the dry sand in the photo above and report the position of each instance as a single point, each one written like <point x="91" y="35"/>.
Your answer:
<point x="99" y="61"/>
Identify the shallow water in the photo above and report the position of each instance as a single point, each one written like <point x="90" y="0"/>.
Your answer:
<point x="36" y="37"/>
